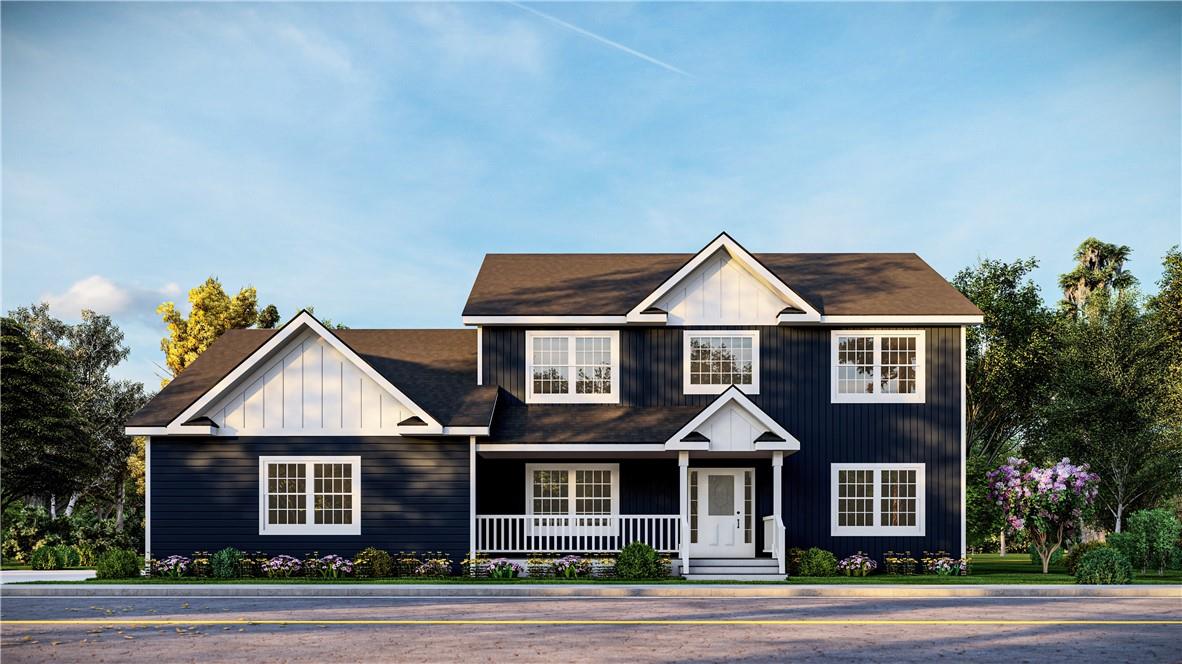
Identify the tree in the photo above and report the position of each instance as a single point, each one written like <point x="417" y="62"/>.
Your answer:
<point x="327" y="322"/>
<point x="1109" y="404"/>
<point x="268" y="317"/>
<point x="212" y="313"/>
<point x="1165" y="309"/>
<point x="1049" y="503"/>
<point x="1100" y="267"/>
<point x="44" y="448"/>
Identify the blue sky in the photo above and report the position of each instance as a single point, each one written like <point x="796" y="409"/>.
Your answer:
<point x="362" y="158"/>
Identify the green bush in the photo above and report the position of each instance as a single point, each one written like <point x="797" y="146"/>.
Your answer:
<point x="1130" y="546"/>
<point x="1071" y="560"/>
<point x="1104" y="565"/>
<point x="818" y="562"/>
<point x="794" y="555"/>
<point x="225" y="563"/>
<point x="1035" y="559"/>
<point x="67" y="556"/>
<point x="87" y="553"/>
<point x="1156" y="534"/>
<point x="373" y="563"/>
<point x="639" y="561"/>
<point x="45" y="557"/>
<point x="119" y="564"/>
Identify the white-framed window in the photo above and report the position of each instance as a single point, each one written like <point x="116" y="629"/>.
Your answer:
<point x="309" y="495"/>
<point x="572" y="366"/>
<point x="878" y="366"/>
<point x="877" y="499"/>
<point x="584" y="495"/>
<point x="716" y="359"/>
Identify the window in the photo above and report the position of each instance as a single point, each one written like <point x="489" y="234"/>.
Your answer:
<point x="574" y="494"/>
<point x="572" y="367"/>
<point x="878" y="366"/>
<point x="877" y="499"/>
<point x="717" y="359"/>
<point x="310" y="495"/>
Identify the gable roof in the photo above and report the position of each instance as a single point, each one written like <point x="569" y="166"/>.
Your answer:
<point x="835" y="284"/>
<point x="775" y="437"/>
<point x="435" y="369"/>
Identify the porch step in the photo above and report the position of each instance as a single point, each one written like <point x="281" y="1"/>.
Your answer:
<point x="734" y="562"/>
<point x="735" y="577"/>
<point x="734" y="569"/>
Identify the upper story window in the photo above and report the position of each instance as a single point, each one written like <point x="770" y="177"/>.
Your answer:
<point x="878" y="366"/>
<point x="877" y="499"/>
<point x="717" y="359"/>
<point x="572" y="367"/>
<point x="310" y="495"/>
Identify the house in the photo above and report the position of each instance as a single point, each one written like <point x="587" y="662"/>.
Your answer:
<point x="721" y="406"/>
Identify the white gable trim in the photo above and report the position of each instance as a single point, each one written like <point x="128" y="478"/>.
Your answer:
<point x="736" y="396"/>
<point x="743" y="257"/>
<point x="305" y="320"/>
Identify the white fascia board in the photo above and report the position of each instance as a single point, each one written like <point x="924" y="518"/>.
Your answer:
<point x="736" y="250"/>
<point x="736" y="395"/>
<point x="289" y="329"/>
<point x="893" y="320"/>
<point x="691" y="446"/>
<point x="193" y="430"/>
<point x="465" y="431"/>
<point x="545" y="320"/>
<point x="786" y="446"/>
<point x="569" y="447"/>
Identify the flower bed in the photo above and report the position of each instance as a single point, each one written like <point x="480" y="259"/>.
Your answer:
<point x="858" y="564"/>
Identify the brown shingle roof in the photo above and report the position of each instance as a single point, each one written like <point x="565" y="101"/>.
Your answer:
<point x="435" y="368"/>
<point x="611" y="284"/>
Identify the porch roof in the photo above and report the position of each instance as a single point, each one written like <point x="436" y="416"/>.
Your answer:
<point x="587" y="423"/>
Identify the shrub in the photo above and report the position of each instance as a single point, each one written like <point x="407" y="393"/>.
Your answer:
<point x="1104" y="565"/>
<point x="1036" y="559"/>
<point x="794" y="555"/>
<point x="572" y="567"/>
<point x="1156" y="532"/>
<point x="502" y="568"/>
<point x="225" y="563"/>
<point x="332" y="567"/>
<point x="118" y="564"/>
<point x="540" y="567"/>
<point x="45" y="557"/>
<point x="374" y="563"/>
<point x="858" y="564"/>
<point x="282" y="567"/>
<point x="174" y="566"/>
<point x="639" y="561"/>
<point x="434" y="567"/>
<point x="1071" y="560"/>
<point x="818" y="562"/>
<point x="87" y="553"/>
<point x="66" y="555"/>
<point x="948" y="566"/>
<point x="899" y="564"/>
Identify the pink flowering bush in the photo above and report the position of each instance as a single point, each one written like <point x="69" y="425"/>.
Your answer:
<point x="1048" y="503"/>
<point x="332" y="567"/>
<point x="571" y="567"/>
<point x="282" y="566"/>
<point x="858" y="564"/>
<point x="174" y="566"/>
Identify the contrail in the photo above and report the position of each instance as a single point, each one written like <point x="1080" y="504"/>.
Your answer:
<point x="602" y="40"/>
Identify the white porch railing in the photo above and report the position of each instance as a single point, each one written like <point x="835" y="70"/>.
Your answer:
<point x="521" y="533"/>
<point x="774" y="535"/>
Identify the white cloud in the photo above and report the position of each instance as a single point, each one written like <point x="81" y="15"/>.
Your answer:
<point x="101" y="295"/>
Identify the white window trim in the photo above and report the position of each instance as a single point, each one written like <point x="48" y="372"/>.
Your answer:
<point x="920" y="394"/>
<point x="879" y="530"/>
<point x="689" y="388"/>
<point x="571" y="468"/>
<point x="572" y="396"/>
<point x="310" y="528"/>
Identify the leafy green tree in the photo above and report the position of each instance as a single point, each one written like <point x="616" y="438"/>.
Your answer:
<point x="212" y="313"/>
<point x="1165" y="308"/>
<point x="44" y="449"/>
<point x="1099" y="267"/>
<point x="268" y="317"/>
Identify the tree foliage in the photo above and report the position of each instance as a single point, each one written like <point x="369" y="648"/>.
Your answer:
<point x="1099" y="267"/>
<point x="212" y="312"/>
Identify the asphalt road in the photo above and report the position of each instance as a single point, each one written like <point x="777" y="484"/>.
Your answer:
<point x="799" y="629"/>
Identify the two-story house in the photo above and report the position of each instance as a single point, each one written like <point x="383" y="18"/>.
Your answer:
<point x="721" y="406"/>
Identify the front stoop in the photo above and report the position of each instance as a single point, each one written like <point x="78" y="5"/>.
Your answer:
<point x="734" y="569"/>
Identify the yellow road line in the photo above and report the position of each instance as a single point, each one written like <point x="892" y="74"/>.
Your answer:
<point x="543" y="621"/>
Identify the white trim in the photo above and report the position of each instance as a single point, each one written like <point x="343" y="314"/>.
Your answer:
<point x="736" y="395"/>
<point x="191" y="430"/>
<point x="741" y="548"/>
<point x="963" y="442"/>
<point x="777" y="510"/>
<point x="545" y="320"/>
<point x="920" y="394"/>
<point x="399" y="431"/>
<point x="570" y="447"/>
<point x="479" y="355"/>
<point x="739" y="254"/>
<point x="147" y="500"/>
<point x="572" y="396"/>
<point x="310" y="528"/>
<point x="290" y="329"/>
<point x="683" y="507"/>
<point x="900" y="320"/>
<point x="878" y="530"/>
<point x="465" y="431"/>
<point x="689" y="388"/>
<point x="571" y="468"/>
<point x="472" y="497"/>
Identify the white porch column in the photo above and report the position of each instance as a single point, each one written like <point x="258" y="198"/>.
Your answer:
<point x="472" y="496"/>
<point x="778" y="505"/>
<point x="684" y="540"/>
<point x="147" y="500"/>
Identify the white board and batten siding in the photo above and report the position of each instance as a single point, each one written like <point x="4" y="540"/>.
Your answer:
<point x="731" y="429"/>
<point x="721" y="291"/>
<point x="308" y="388"/>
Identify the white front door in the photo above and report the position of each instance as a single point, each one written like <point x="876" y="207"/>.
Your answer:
<point x="721" y="502"/>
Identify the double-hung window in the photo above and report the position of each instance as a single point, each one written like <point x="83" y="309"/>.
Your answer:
<point x="877" y="366"/>
<point x="304" y="495"/>
<point x="877" y="499"/>
<point x="716" y="359"/>
<point x="572" y="367"/>
<point x="559" y="497"/>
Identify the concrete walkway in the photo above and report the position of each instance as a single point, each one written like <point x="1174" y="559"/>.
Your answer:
<point x="27" y="575"/>
<point x="583" y="590"/>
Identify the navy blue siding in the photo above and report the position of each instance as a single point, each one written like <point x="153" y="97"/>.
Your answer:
<point x="794" y="385"/>
<point x="205" y="495"/>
